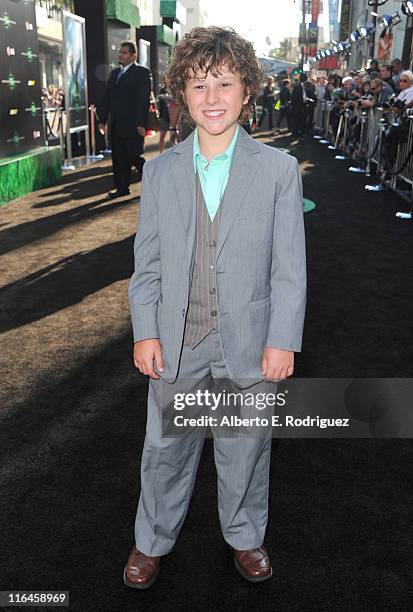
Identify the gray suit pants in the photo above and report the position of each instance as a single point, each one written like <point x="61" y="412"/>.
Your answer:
<point x="169" y="466"/>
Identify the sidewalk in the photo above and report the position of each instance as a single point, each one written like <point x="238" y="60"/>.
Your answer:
<point x="66" y="257"/>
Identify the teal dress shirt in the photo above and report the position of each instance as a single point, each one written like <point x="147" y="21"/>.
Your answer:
<point x="214" y="175"/>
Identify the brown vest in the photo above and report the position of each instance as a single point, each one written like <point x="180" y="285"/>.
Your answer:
<point x="203" y="309"/>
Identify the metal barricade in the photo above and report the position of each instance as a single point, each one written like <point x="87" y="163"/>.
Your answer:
<point x="403" y="168"/>
<point x="361" y="135"/>
<point x="404" y="159"/>
<point x="319" y="119"/>
<point x="360" y="152"/>
<point x="52" y="122"/>
<point x="342" y="139"/>
<point x="359" y="143"/>
<point x="93" y="119"/>
<point x="328" y="107"/>
<point x="376" y="127"/>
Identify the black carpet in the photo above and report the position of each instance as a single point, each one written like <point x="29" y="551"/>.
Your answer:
<point x="340" y="529"/>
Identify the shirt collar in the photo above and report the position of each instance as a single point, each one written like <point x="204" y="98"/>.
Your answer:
<point x="223" y="156"/>
<point x="124" y="68"/>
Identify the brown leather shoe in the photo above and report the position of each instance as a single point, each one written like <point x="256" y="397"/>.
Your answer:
<point x="140" y="571"/>
<point x="253" y="564"/>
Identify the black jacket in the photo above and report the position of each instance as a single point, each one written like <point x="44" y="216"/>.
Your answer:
<point x="284" y="96"/>
<point x="297" y="100"/>
<point x="127" y="101"/>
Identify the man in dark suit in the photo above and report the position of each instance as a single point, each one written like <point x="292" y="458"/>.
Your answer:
<point x="126" y="100"/>
<point x="297" y="109"/>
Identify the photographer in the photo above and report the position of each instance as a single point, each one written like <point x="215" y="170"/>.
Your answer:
<point x="397" y="134"/>
<point x="349" y="87"/>
<point x="361" y="93"/>
<point x="358" y="96"/>
<point x="381" y="94"/>
<point x="310" y="103"/>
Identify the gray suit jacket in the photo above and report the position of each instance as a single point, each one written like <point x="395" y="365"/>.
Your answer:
<point x="260" y="264"/>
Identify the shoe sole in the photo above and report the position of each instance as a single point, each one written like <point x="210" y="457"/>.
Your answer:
<point x="250" y="578"/>
<point x="119" y="195"/>
<point x="140" y="586"/>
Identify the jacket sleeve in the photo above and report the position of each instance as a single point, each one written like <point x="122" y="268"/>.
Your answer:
<point x="145" y="283"/>
<point x="103" y="108"/>
<point x="288" y="271"/>
<point x="143" y="97"/>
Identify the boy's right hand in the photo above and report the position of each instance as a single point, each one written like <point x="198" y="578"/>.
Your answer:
<point x="144" y="352"/>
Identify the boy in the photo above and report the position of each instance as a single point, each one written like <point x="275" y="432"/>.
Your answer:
<point x="219" y="290"/>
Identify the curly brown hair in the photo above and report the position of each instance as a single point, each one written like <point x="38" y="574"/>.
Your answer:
<point x="206" y="49"/>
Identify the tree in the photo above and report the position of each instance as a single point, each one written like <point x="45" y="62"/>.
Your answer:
<point x="281" y="52"/>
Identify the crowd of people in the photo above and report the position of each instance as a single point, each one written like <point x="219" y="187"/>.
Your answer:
<point x="297" y="101"/>
<point x="52" y="96"/>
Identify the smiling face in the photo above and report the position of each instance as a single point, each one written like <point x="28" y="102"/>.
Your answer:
<point x="215" y="102"/>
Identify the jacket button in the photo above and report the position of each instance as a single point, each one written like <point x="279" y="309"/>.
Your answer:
<point x="212" y="290"/>
<point x="214" y="313"/>
<point x="212" y="243"/>
<point x="183" y="311"/>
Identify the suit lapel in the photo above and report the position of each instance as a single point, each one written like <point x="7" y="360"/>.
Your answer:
<point x="118" y="77"/>
<point x="243" y="168"/>
<point x="183" y="177"/>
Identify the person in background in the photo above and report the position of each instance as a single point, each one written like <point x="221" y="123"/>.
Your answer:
<point x="348" y="85"/>
<point x="309" y="106"/>
<point x="284" y="97"/>
<point x="268" y="103"/>
<point x="297" y="109"/>
<point x="398" y="133"/>
<point x="386" y="75"/>
<point x="358" y="82"/>
<point x="320" y="87"/>
<point x="381" y="94"/>
<point x="175" y="126"/>
<point x="126" y="102"/>
<point x="366" y="92"/>
<point x="374" y="67"/>
<point x="397" y="70"/>
<point x="328" y="94"/>
<point x="406" y="88"/>
<point x="336" y="80"/>
<point x="162" y="99"/>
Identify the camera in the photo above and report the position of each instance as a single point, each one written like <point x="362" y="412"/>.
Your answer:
<point x="394" y="103"/>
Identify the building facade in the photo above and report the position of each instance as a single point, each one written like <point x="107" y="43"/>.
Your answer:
<point x="389" y="42"/>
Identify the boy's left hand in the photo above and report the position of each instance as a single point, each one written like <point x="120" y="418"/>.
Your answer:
<point x="277" y="364"/>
